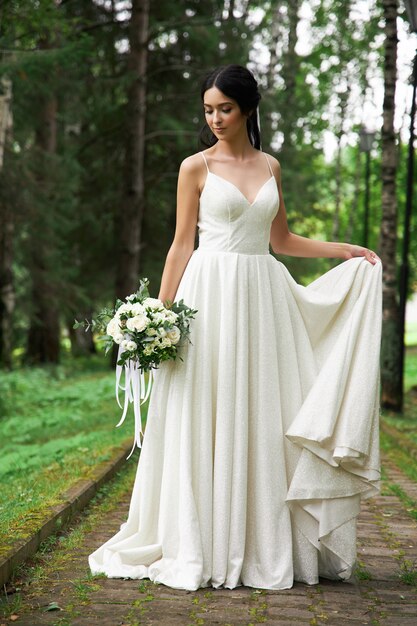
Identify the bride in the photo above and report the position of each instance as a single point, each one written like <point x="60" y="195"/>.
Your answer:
<point x="259" y="444"/>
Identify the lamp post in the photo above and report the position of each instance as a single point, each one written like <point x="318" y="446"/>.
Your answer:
<point x="411" y="8"/>
<point x="366" y="140"/>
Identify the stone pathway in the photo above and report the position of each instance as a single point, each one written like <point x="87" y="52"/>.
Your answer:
<point x="380" y="595"/>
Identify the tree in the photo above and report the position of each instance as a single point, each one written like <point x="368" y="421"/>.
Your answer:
<point x="7" y="296"/>
<point x="390" y="353"/>
<point x="130" y="215"/>
<point x="43" y="345"/>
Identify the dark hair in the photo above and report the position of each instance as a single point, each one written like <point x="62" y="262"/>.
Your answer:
<point x="236" y="82"/>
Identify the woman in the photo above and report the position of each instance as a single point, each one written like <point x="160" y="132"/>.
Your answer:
<point x="261" y="442"/>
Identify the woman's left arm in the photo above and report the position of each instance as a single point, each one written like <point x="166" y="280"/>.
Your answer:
<point x="283" y="241"/>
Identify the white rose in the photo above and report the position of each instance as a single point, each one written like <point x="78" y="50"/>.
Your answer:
<point x="153" y="303"/>
<point x="158" y="316"/>
<point x="118" y="338"/>
<point x="171" y="316"/>
<point x="113" y="327"/>
<point x="123" y="308"/>
<point x="138" y="323"/>
<point x="137" y="308"/>
<point x="125" y="343"/>
<point x="165" y="342"/>
<point x="131" y="345"/>
<point x="151" y="331"/>
<point x="174" y="334"/>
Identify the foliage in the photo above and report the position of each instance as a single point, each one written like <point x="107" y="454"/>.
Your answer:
<point x="77" y="53"/>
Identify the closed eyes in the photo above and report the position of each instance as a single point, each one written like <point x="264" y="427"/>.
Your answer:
<point x="223" y="111"/>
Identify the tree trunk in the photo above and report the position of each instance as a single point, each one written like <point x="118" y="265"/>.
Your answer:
<point x="43" y="344"/>
<point x="343" y="100"/>
<point x="7" y="295"/>
<point x="275" y="32"/>
<point x="353" y="213"/>
<point x="130" y="215"/>
<point x="391" y="348"/>
<point x="290" y="71"/>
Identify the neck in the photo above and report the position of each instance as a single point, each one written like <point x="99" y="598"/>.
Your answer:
<point x="239" y="148"/>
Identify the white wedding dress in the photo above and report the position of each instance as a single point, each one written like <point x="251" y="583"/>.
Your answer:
<point x="261" y="443"/>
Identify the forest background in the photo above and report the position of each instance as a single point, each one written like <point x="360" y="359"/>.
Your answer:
<point x="99" y="104"/>
<point x="99" y="124"/>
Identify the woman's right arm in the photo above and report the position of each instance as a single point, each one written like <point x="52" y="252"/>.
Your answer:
<point x="182" y="246"/>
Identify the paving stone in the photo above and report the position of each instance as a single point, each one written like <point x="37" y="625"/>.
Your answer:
<point x="399" y="620"/>
<point x="289" y="612"/>
<point x="289" y="601"/>
<point x="336" y="620"/>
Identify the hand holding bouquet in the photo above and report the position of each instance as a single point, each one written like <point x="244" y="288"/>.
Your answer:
<point x="147" y="332"/>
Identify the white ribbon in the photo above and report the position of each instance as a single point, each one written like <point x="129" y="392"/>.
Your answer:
<point x="135" y="390"/>
<point x="258" y="119"/>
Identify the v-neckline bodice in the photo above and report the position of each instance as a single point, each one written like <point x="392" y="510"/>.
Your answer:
<point x="229" y="182"/>
<point x="237" y="188"/>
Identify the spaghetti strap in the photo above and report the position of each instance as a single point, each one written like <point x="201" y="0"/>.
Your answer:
<point x="269" y="165"/>
<point x="205" y="160"/>
<point x="267" y="160"/>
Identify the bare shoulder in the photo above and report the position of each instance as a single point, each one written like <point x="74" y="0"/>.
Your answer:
<point x="275" y="164"/>
<point x="193" y="172"/>
<point x="192" y="165"/>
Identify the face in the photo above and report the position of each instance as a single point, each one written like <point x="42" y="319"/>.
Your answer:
<point x="223" y="114"/>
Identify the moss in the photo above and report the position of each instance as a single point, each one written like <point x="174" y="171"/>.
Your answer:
<point x="34" y="577"/>
<point x="53" y="438"/>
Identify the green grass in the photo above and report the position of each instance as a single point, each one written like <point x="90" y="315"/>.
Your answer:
<point x="361" y="572"/>
<point x="406" y="422"/>
<point x="406" y="425"/>
<point x="411" y="334"/>
<point x="57" y="424"/>
<point x="410" y="374"/>
<point x="408" y="573"/>
<point x="409" y="502"/>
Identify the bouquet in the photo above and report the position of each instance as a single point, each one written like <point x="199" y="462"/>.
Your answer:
<point x="147" y="333"/>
